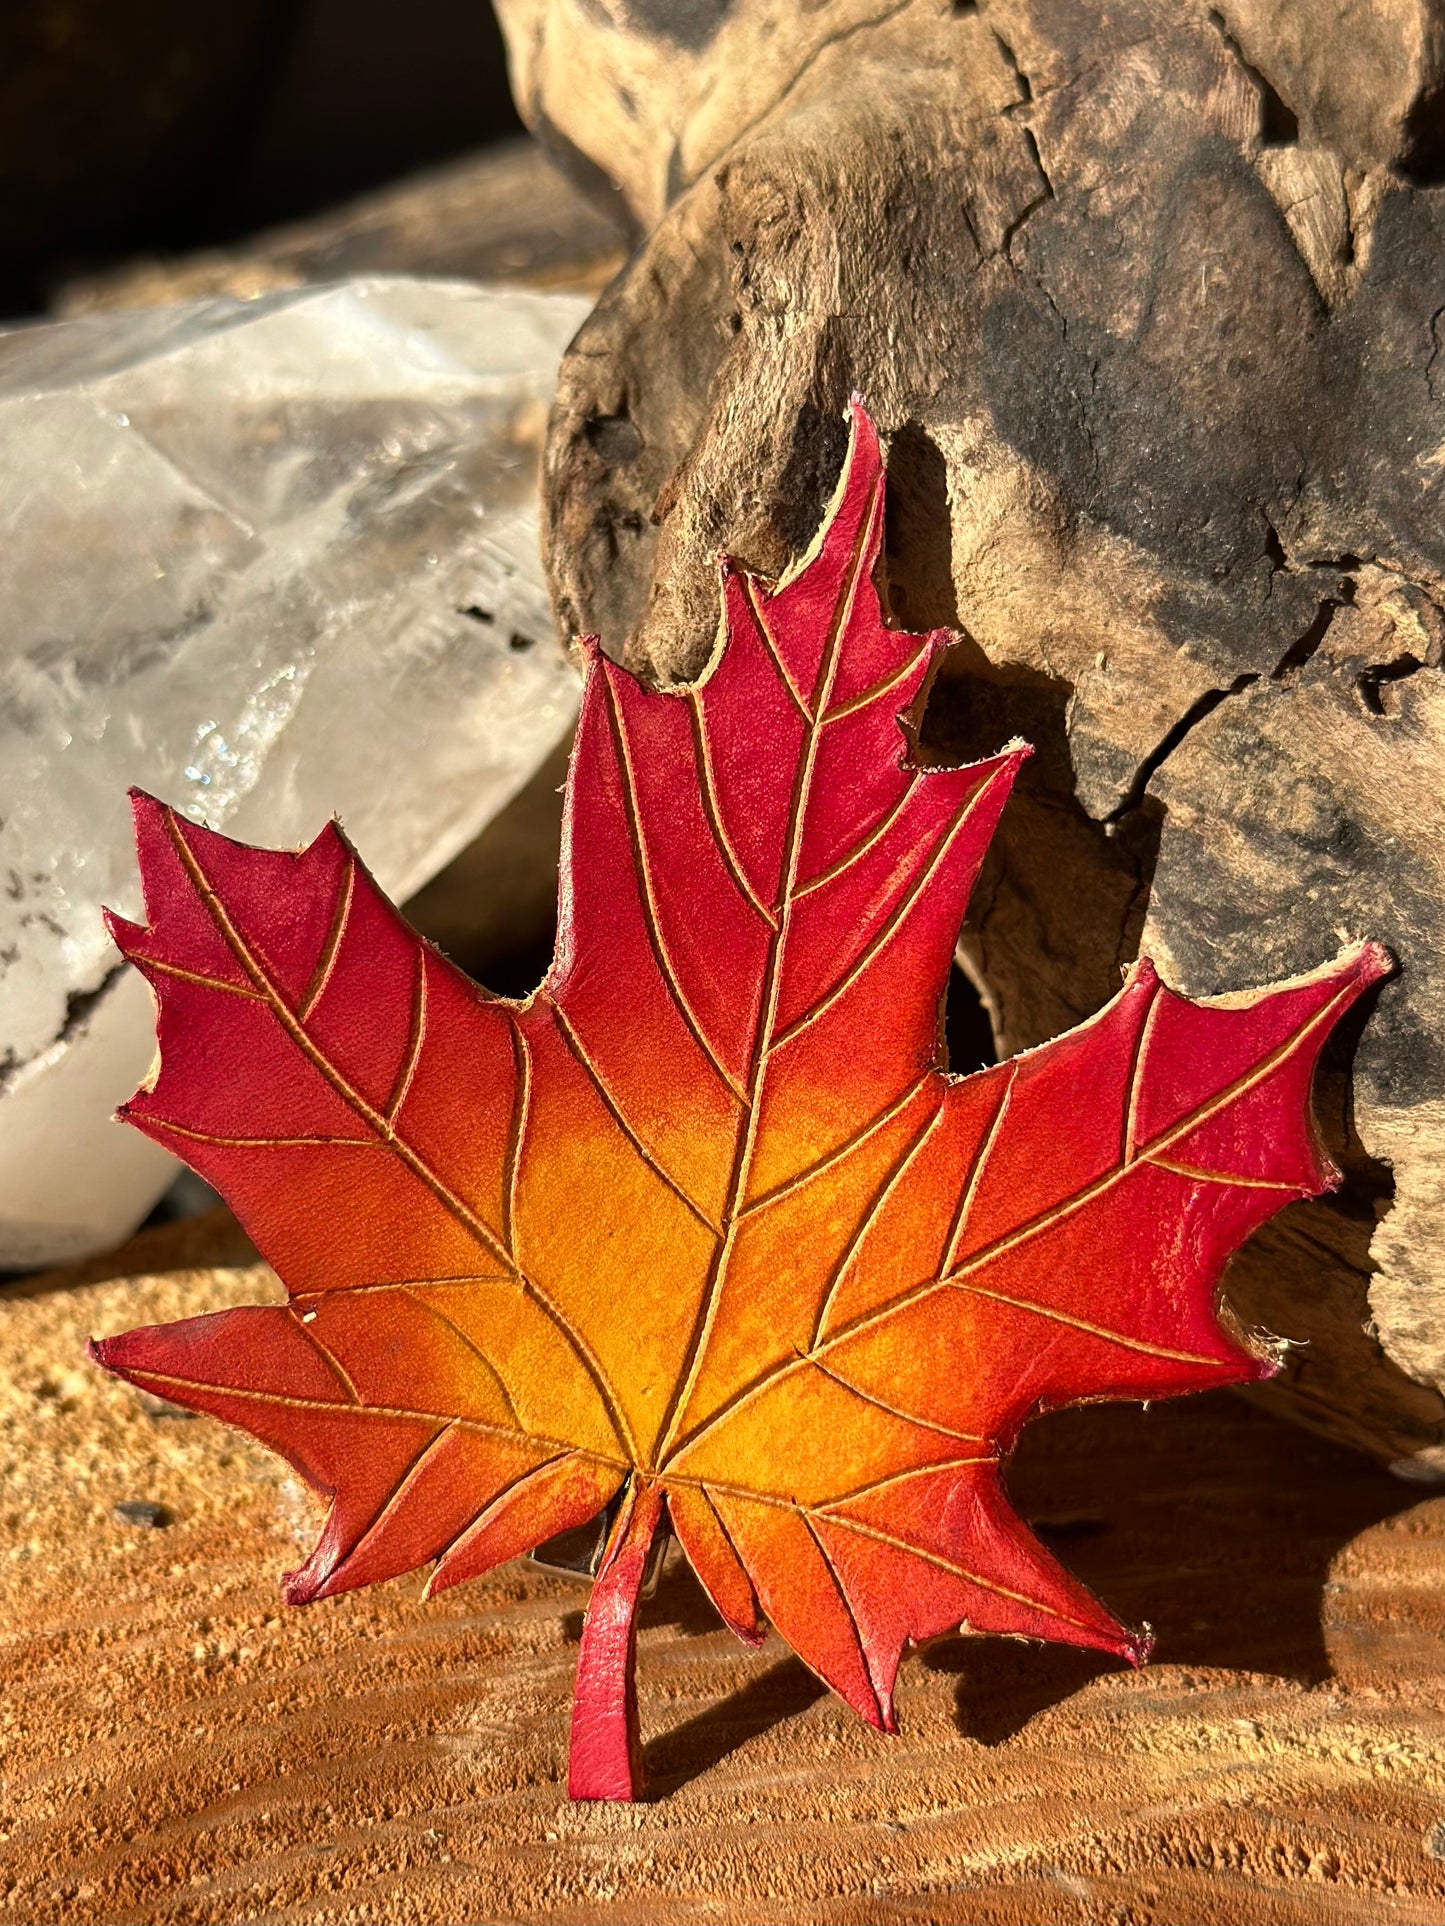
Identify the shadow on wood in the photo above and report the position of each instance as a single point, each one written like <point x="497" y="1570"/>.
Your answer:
<point x="704" y="1741"/>
<point x="1212" y="1521"/>
<point x="1204" y="1517"/>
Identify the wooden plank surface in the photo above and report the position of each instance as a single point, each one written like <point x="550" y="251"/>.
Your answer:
<point x="178" y="1746"/>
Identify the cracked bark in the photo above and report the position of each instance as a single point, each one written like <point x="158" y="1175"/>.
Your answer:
<point x="1147" y="300"/>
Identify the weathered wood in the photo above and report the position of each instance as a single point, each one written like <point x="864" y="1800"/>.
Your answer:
<point x="1149" y="300"/>
<point x="178" y="1746"/>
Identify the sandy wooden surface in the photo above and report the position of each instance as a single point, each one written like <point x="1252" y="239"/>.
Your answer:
<point x="178" y="1746"/>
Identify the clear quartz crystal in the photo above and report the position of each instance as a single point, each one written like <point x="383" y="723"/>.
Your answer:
<point x="272" y="560"/>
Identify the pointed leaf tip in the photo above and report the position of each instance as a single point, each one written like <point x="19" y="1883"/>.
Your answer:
<point x="297" y="1588"/>
<point x="1376" y="962"/>
<point x="147" y="810"/>
<point x="126" y="935"/>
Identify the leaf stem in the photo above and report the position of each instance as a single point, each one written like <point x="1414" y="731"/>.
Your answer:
<point x="606" y="1759"/>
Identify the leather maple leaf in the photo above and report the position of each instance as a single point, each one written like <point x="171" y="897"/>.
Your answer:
<point x="704" y="1221"/>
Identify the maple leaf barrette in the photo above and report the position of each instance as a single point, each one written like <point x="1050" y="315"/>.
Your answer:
<point x="704" y="1224"/>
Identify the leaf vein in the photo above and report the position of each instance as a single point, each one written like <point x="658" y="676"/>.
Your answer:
<point x="880" y="687"/>
<point x="261" y="1143"/>
<point x="868" y="843"/>
<point x="326" y="961"/>
<point x="435" y="1311"/>
<point x="712" y="809"/>
<point x="958" y="1571"/>
<point x="747" y="1136"/>
<point x="444" y="1194"/>
<point x="148" y="963"/>
<point x="1240" y="1087"/>
<point x="847" y="1604"/>
<point x="845" y="1149"/>
<point x="974" y="1181"/>
<point x="895" y="1410"/>
<point x="328" y="1357"/>
<point x="877" y="1204"/>
<point x="398" y="1492"/>
<point x="648" y="898"/>
<point x="770" y="643"/>
<point x="579" y="1051"/>
<point x="415" y="1038"/>
<point x="338" y="1408"/>
<point x="901" y="910"/>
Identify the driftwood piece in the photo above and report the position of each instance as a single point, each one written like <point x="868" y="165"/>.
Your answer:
<point x="178" y="1746"/>
<point x="1148" y="300"/>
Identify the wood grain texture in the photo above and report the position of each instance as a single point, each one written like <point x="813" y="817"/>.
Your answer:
<point x="179" y="1747"/>
<point x="1147" y="300"/>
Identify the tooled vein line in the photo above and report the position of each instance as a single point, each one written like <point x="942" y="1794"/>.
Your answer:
<point x="403" y="1485"/>
<point x="843" y="1599"/>
<point x="780" y="1501"/>
<point x="886" y="934"/>
<point x="886" y="1538"/>
<point x="649" y="899"/>
<point x="327" y="1356"/>
<point x="1241" y="1087"/>
<point x="747" y="1137"/>
<point x="194" y="976"/>
<point x="876" y="1207"/>
<point x="712" y="809"/>
<point x="435" y="1311"/>
<point x="958" y="1571"/>
<point x="870" y="841"/>
<point x="259" y="1143"/>
<point x="1046" y="1220"/>
<point x="484" y="1515"/>
<point x="970" y="1189"/>
<point x="579" y="1050"/>
<point x="879" y="688"/>
<point x="1082" y="1324"/>
<point x="845" y="1149"/>
<point x="326" y="962"/>
<point x="1136" y="1074"/>
<point x="414" y="1041"/>
<point x="507" y="1278"/>
<point x="769" y="641"/>
<point x="414" y="1162"/>
<point x="727" y="1538"/>
<point x="521" y="1107"/>
<point x="827" y="1509"/>
<point x="298" y="1034"/>
<point x="896" y="1410"/>
<point x="1198" y="1176"/>
<point x="405" y="1412"/>
<point x="440" y="1316"/>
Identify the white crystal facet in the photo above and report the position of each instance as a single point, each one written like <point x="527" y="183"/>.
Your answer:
<point x="272" y="560"/>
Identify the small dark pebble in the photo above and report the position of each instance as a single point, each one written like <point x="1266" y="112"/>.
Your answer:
<point x="1435" y="1841"/>
<point x="155" y="1407"/>
<point x="1070" y="1524"/>
<point x="143" y="1511"/>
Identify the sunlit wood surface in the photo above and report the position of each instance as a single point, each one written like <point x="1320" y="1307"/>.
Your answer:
<point x="177" y="1746"/>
